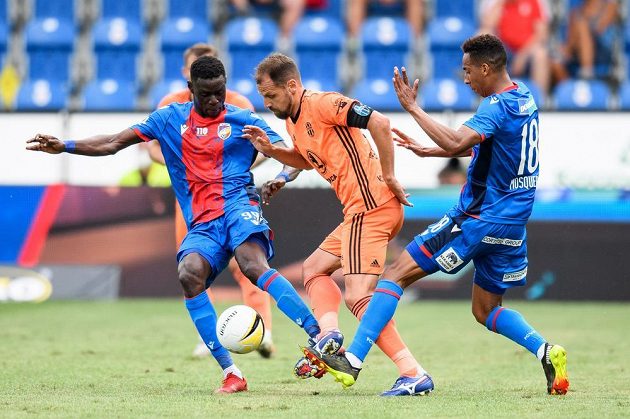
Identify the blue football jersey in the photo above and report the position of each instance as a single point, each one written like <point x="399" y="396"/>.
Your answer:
<point x="503" y="173"/>
<point x="207" y="159"/>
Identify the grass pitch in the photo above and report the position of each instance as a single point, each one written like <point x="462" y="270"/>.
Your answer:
<point x="132" y="359"/>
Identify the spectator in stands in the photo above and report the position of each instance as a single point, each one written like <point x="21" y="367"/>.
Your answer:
<point x="291" y="11"/>
<point x="523" y="26"/>
<point x="589" y="40"/>
<point x="357" y="10"/>
<point x="452" y="173"/>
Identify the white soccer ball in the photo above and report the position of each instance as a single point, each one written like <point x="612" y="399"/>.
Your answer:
<point x="240" y="329"/>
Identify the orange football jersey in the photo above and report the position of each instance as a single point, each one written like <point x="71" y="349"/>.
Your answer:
<point x="231" y="97"/>
<point x="341" y="154"/>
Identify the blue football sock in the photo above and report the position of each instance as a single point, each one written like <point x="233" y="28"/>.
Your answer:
<point x="379" y="311"/>
<point x="513" y="326"/>
<point x="288" y="301"/>
<point x="205" y="318"/>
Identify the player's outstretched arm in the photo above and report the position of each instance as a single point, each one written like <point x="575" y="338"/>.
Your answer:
<point x="288" y="156"/>
<point x="270" y="187"/>
<point x="98" y="145"/>
<point x="405" y="141"/>
<point x="453" y="142"/>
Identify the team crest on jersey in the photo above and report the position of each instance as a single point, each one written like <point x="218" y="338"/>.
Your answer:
<point x="224" y="130"/>
<point x="317" y="162"/>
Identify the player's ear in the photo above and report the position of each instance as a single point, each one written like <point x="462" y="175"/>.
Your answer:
<point x="190" y="86"/>
<point x="292" y="85"/>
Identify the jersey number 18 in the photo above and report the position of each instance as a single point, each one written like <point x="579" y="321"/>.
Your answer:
<point x="529" y="148"/>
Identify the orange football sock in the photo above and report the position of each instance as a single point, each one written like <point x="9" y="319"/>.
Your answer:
<point x="390" y="342"/>
<point x="254" y="297"/>
<point x="325" y="297"/>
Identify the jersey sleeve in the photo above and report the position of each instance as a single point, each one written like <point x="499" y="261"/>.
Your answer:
<point x="256" y="120"/>
<point x="488" y="119"/>
<point x="153" y="126"/>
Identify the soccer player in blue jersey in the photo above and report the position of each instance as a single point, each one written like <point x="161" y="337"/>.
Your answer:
<point x="487" y="226"/>
<point x="208" y="163"/>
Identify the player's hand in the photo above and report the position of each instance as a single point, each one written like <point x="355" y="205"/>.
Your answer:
<point x="258" y="137"/>
<point x="398" y="191"/>
<point x="270" y="188"/>
<point x="406" y="93"/>
<point x="45" y="143"/>
<point x="403" y="140"/>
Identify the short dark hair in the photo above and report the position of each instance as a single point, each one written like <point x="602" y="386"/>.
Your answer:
<point x="487" y="49"/>
<point x="279" y="67"/>
<point x="206" y="68"/>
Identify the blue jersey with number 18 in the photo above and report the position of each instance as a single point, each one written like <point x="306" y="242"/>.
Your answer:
<point x="503" y="173"/>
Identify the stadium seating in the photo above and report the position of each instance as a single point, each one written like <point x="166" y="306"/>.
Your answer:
<point x="117" y="43"/>
<point x="60" y="9"/>
<point x="624" y="96"/>
<point x="535" y="91"/>
<point x="164" y="87"/>
<point x="377" y="93"/>
<point x="130" y="10"/>
<point x="463" y="9"/>
<point x="445" y="38"/>
<point x="386" y="43"/>
<point x="41" y="95"/>
<point x="177" y="34"/>
<point x="334" y="9"/>
<point x="109" y="95"/>
<point x="249" y="40"/>
<point x="4" y="35"/>
<point x="247" y="88"/>
<point x="447" y="94"/>
<point x="576" y="95"/>
<point x="626" y="37"/>
<point x="49" y="43"/>
<point x="318" y="49"/>
<point x="194" y="9"/>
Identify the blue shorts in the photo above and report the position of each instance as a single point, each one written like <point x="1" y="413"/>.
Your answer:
<point x="499" y="251"/>
<point x="216" y="239"/>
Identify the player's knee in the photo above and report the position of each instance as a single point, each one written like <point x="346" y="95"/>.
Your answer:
<point x="312" y="267"/>
<point x="252" y="270"/>
<point x="192" y="278"/>
<point x="480" y="313"/>
<point x="352" y="297"/>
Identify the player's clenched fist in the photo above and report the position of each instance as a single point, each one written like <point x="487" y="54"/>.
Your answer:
<point x="258" y="138"/>
<point x="270" y="188"/>
<point x="46" y="143"/>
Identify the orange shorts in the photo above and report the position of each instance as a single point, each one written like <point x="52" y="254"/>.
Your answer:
<point x="361" y="239"/>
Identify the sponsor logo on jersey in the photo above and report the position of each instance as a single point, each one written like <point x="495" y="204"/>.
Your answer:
<point x="309" y="129"/>
<point x="182" y="129"/>
<point x="527" y="106"/>
<point x="224" y="130"/>
<point x="524" y="182"/>
<point x="506" y="242"/>
<point x="515" y="276"/>
<point x="449" y="259"/>
<point x="316" y="162"/>
<point x="493" y="100"/>
<point x="361" y="109"/>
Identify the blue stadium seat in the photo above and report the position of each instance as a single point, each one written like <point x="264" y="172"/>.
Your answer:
<point x="378" y="94"/>
<point x="131" y="10"/>
<point x="249" y="40"/>
<point x="163" y="88"/>
<point x="41" y="95"/>
<point x="626" y="37"/>
<point x="116" y="45"/>
<point x="60" y="9"/>
<point x="322" y="85"/>
<point x="463" y="9"/>
<point x="194" y="9"/>
<point x="49" y="43"/>
<point x="386" y="43"/>
<point x="4" y="35"/>
<point x="318" y="48"/>
<point x="576" y="95"/>
<point x="376" y="8"/>
<point x="333" y="9"/>
<point x="447" y="94"/>
<point x="247" y="87"/>
<point x="624" y="96"/>
<point x="4" y="12"/>
<point x="177" y="34"/>
<point x="446" y="36"/>
<point x="109" y="95"/>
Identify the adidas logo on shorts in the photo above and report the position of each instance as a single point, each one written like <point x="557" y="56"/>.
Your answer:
<point x="375" y="264"/>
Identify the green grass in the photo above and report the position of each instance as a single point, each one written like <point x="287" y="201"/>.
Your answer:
<point x="132" y="359"/>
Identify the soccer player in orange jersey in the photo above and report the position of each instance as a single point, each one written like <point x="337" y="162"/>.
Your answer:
<point x="326" y="131"/>
<point x="252" y="295"/>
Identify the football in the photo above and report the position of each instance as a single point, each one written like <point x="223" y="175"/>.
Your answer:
<point x="240" y="329"/>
